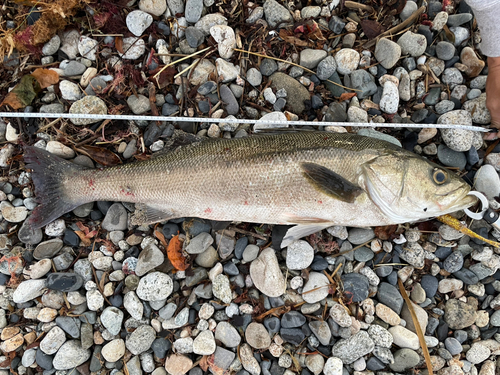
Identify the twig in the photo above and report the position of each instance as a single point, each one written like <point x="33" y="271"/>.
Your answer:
<point x="181" y="59"/>
<point x="356" y="5"/>
<point x="397" y="28"/>
<point x="292" y="63"/>
<point x="248" y="233"/>
<point x="416" y="323"/>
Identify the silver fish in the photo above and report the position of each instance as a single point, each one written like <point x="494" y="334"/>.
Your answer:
<point x="314" y="180"/>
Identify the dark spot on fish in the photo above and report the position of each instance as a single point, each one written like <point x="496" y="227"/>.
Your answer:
<point x="425" y="209"/>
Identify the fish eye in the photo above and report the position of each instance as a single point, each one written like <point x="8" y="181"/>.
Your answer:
<point x="439" y="176"/>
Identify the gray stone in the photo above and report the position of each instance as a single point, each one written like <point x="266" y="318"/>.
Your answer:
<point x="412" y="44"/>
<point x="299" y="255"/>
<point x="326" y="68"/>
<point x="206" y="22"/>
<point x="487" y="181"/>
<point x="48" y="249"/>
<point x="70" y="355"/>
<point x="310" y="58"/>
<point x="387" y="53"/>
<point x="74" y="68"/>
<point x="363" y="81"/>
<point x="111" y="319"/>
<point x="479" y="112"/>
<point x="193" y="10"/>
<point x="227" y="334"/>
<point x="139" y="104"/>
<point x="138" y="21"/>
<point x="451" y="158"/>
<point x="194" y="37"/>
<point x="321" y="330"/>
<point x="116" y="218"/>
<point x="445" y="50"/>
<point x="316" y="288"/>
<point x="459" y="314"/>
<point x="254" y="77"/>
<point x="149" y="258"/>
<point x="227" y="96"/>
<point x="89" y="105"/>
<point x="52" y="341"/>
<point x="221" y="288"/>
<point x="266" y="274"/>
<point x="276" y="14"/>
<point x="456" y="139"/>
<point x="404" y="359"/>
<point x="358" y="236"/>
<point x="353" y="348"/>
<point x="155" y="286"/>
<point x="141" y="339"/>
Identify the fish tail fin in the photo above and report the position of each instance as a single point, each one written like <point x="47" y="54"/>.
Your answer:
<point x="48" y="174"/>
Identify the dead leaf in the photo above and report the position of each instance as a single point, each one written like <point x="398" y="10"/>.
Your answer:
<point x="347" y="96"/>
<point x="397" y="6"/>
<point x="46" y="77"/>
<point x="100" y="155"/>
<point x="175" y="255"/>
<point x="449" y="35"/>
<point x="204" y="363"/>
<point x="85" y="240"/>
<point x="284" y="34"/>
<point x="165" y="78"/>
<point x="371" y="28"/>
<point x="119" y="44"/>
<point x="23" y="93"/>
<point x="385" y="232"/>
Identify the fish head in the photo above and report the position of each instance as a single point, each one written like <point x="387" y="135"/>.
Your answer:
<point x="407" y="187"/>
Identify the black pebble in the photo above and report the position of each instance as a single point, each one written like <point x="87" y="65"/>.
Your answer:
<point x="71" y="238"/>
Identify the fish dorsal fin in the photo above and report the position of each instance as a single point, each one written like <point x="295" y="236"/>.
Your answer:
<point x="149" y="214"/>
<point x="302" y="230"/>
<point x="331" y="183"/>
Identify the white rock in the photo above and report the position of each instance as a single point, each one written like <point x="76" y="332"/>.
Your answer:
<point x="133" y="48"/>
<point x="51" y="46"/>
<point x="347" y="60"/>
<point x="224" y="36"/>
<point x="154" y="7"/>
<point x="70" y="90"/>
<point x="88" y="47"/>
<point x="404" y="338"/>
<point x="13" y="214"/>
<point x="113" y="350"/>
<point x="11" y="134"/>
<point x="266" y="274"/>
<point x="487" y="181"/>
<point x="299" y="255"/>
<point x="390" y="98"/>
<point x="226" y="71"/>
<point x="333" y="366"/>
<point x="138" y="21"/>
<point x="29" y="290"/>
<point x="316" y="288"/>
<point x="133" y="305"/>
<point x="58" y="149"/>
<point x="52" y="341"/>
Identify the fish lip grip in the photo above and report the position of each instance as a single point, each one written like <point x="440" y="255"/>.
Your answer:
<point x="484" y="206"/>
<point x="486" y="213"/>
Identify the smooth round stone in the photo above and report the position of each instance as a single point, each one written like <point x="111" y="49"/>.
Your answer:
<point x="356" y="286"/>
<point x="155" y="286"/>
<point x="225" y="37"/>
<point x="454" y="262"/>
<point x="451" y="158"/>
<point x="358" y="236"/>
<point x="268" y="67"/>
<point x="292" y="319"/>
<point x="88" y="105"/>
<point x="316" y="288"/>
<point x="387" y="53"/>
<point x="70" y="355"/>
<point x="133" y="48"/>
<point x="276" y="14"/>
<point x="193" y="10"/>
<point x="51" y="47"/>
<point x="347" y="60"/>
<point x="204" y="343"/>
<point x="310" y="58"/>
<point x="412" y="44"/>
<point x="257" y="336"/>
<point x="141" y="339"/>
<point x="266" y="274"/>
<point x="445" y="50"/>
<point x="453" y="345"/>
<point x="74" y="68"/>
<point x="404" y="359"/>
<point x="389" y="295"/>
<point x="138" y="21"/>
<point x="363" y="254"/>
<point x="254" y="77"/>
<point x="64" y="282"/>
<point x="299" y="255"/>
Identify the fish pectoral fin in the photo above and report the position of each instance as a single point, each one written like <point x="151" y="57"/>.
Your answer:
<point x="331" y="183"/>
<point x="302" y="230"/>
<point x="149" y="214"/>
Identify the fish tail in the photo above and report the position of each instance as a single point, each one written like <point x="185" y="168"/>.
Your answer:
<point x="48" y="173"/>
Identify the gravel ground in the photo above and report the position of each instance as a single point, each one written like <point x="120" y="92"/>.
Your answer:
<point x="93" y="293"/>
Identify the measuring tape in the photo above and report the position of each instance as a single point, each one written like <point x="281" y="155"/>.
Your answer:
<point x="270" y="124"/>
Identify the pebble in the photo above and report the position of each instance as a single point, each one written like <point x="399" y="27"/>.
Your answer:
<point x="266" y="274"/>
<point x="333" y="366"/>
<point x="178" y="364"/>
<point x="404" y="359"/>
<point x="254" y="77"/>
<point x="70" y="355"/>
<point x="116" y="218"/>
<point x="52" y="341"/>
<point x="88" y="105"/>
<point x="412" y="44"/>
<point x="296" y="92"/>
<point x="155" y="286"/>
<point x="299" y="255"/>
<point x="227" y="71"/>
<point x="227" y="334"/>
<point x="69" y="90"/>
<point x="193" y="10"/>
<point x="389" y="102"/>
<point x="87" y="48"/>
<point x="29" y="290"/>
<point x="388" y="52"/>
<point x="487" y="181"/>
<point x="353" y="348"/>
<point x="139" y="104"/>
<point x="149" y="258"/>
<point x="457" y="140"/>
<point x="310" y="58"/>
<point x="141" y="339"/>
<point x="224" y="36"/>
<point x="222" y="289"/>
<point x="257" y="336"/>
<point x="276" y="14"/>
<point x="404" y="338"/>
<point x="133" y="48"/>
<point x="227" y="96"/>
<point x="113" y="350"/>
<point x="478" y="353"/>
<point x="51" y="47"/>
<point x="458" y="314"/>
<point x="316" y="288"/>
<point x="347" y="60"/>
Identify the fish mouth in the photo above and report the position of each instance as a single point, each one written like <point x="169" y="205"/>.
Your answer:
<point x="464" y="201"/>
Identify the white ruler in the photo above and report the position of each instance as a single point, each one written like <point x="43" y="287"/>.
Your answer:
<point x="269" y="124"/>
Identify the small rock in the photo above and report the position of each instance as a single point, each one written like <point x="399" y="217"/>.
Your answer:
<point x="316" y="288"/>
<point x="155" y="286"/>
<point x="70" y="355"/>
<point x="412" y="44"/>
<point x="266" y="274"/>
<point x="310" y="58"/>
<point x="224" y="36"/>
<point x="276" y="14"/>
<point x="388" y="52"/>
<point x="347" y="60"/>
<point x="257" y="336"/>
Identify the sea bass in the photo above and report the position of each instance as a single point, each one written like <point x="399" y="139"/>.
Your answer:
<point x="312" y="179"/>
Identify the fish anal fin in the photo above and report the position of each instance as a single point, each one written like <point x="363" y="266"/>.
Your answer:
<point x="303" y="230"/>
<point x="149" y="214"/>
<point x="331" y="183"/>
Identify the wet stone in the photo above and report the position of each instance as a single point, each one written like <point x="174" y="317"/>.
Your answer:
<point x="292" y="319"/>
<point x="64" y="282"/>
<point x="293" y="336"/>
<point x="390" y="296"/>
<point x="356" y="286"/>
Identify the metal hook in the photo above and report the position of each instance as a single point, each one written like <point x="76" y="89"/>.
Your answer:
<point x="484" y="206"/>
